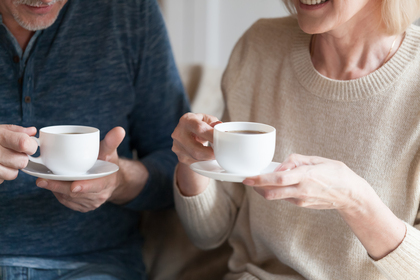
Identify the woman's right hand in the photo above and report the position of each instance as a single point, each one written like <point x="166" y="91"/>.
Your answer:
<point x="191" y="136"/>
<point x="15" y="145"/>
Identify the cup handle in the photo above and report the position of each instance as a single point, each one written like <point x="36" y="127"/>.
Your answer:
<point x="36" y="159"/>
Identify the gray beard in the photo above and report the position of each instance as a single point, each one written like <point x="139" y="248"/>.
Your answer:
<point x="39" y="24"/>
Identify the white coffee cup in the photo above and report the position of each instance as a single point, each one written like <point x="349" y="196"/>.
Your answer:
<point x="68" y="149"/>
<point x="242" y="153"/>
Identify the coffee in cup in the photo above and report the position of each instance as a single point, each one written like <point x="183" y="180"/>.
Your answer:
<point x="244" y="148"/>
<point x="68" y="149"/>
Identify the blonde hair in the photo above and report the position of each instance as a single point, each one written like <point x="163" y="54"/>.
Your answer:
<point x="397" y="15"/>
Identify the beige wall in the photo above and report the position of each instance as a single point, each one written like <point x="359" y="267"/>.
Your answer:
<point x="205" y="31"/>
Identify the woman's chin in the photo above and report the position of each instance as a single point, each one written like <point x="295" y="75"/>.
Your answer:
<point x="310" y="29"/>
<point x="310" y="26"/>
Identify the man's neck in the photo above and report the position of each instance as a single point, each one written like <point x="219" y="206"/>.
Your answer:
<point x="22" y="35"/>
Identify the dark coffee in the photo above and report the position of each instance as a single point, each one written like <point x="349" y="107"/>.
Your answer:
<point x="72" y="133"/>
<point x="246" y="131"/>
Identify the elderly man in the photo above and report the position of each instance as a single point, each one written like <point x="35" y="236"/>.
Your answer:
<point x="100" y="63"/>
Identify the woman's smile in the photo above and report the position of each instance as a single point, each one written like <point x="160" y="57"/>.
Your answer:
<point x="312" y="4"/>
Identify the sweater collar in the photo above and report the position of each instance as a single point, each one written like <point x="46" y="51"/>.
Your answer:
<point x="361" y="88"/>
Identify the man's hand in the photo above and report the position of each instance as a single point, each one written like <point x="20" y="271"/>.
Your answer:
<point x="88" y="195"/>
<point x="15" y="145"/>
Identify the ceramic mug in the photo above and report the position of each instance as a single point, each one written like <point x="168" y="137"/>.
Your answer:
<point x="244" y="147"/>
<point x="68" y="149"/>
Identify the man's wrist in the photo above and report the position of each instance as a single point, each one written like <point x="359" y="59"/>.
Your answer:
<point x="132" y="178"/>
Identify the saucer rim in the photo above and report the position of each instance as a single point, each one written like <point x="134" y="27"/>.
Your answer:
<point x="63" y="177"/>
<point x="227" y="177"/>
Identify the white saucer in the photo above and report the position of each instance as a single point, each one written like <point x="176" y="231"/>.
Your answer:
<point x="213" y="170"/>
<point x="100" y="169"/>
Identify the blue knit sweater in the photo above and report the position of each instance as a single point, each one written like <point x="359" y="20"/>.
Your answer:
<point x="103" y="63"/>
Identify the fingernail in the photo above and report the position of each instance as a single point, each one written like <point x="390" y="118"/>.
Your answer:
<point x="249" y="182"/>
<point x="42" y="184"/>
<point x="77" y="189"/>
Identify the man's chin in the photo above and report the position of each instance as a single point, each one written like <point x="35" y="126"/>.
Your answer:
<point x="37" y="18"/>
<point x="36" y="22"/>
<point x="35" y="25"/>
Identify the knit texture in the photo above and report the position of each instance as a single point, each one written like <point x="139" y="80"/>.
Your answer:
<point x="371" y="124"/>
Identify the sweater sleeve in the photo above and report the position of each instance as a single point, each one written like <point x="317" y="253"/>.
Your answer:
<point x="404" y="262"/>
<point x="208" y="218"/>
<point x="160" y="102"/>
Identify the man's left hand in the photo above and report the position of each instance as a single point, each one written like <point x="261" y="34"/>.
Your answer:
<point x="88" y="195"/>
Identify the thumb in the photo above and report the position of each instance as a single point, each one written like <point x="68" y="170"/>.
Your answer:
<point x="111" y="142"/>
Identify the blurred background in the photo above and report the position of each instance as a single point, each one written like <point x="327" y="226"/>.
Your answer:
<point x="203" y="34"/>
<point x="205" y="31"/>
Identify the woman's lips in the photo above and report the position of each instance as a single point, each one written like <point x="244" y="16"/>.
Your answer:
<point x="39" y="10"/>
<point x="313" y="6"/>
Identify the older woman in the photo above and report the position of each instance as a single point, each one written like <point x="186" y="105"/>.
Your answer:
<point x="341" y="84"/>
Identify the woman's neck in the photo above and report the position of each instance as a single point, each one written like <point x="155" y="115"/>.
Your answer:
<point x="354" y="50"/>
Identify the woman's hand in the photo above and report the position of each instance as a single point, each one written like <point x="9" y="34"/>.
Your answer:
<point x="191" y="136"/>
<point x="319" y="183"/>
<point x="313" y="182"/>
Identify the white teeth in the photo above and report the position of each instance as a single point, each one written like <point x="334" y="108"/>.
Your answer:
<point x="312" y="2"/>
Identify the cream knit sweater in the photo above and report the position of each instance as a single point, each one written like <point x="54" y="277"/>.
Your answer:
<point x="372" y="124"/>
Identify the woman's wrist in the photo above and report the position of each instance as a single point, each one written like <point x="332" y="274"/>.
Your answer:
<point x="374" y="224"/>
<point x="190" y="183"/>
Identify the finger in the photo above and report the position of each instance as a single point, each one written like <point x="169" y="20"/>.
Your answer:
<point x="274" y="193"/>
<point x="202" y="140"/>
<point x="87" y="202"/>
<point x="31" y="131"/>
<point x="7" y="173"/>
<point x="213" y="124"/>
<point x="279" y="178"/>
<point x="62" y="187"/>
<point x="63" y="199"/>
<point x="111" y="142"/>
<point x="311" y="203"/>
<point x="296" y="160"/>
<point x="93" y="186"/>
<point x="211" y="120"/>
<point x="18" y="141"/>
<point x="13" y="160"/>
<point x="191" y="151"/>
<point x="183" y="156"/>
<point x="199" y="124"/>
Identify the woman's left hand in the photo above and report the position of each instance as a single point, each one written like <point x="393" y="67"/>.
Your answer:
<point x="312" y="182"/>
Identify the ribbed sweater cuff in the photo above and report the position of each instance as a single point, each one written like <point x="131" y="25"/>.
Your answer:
<point x="195" y="207"/>
<point x="403" y="262"/>
<point x="207" y="217"/>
